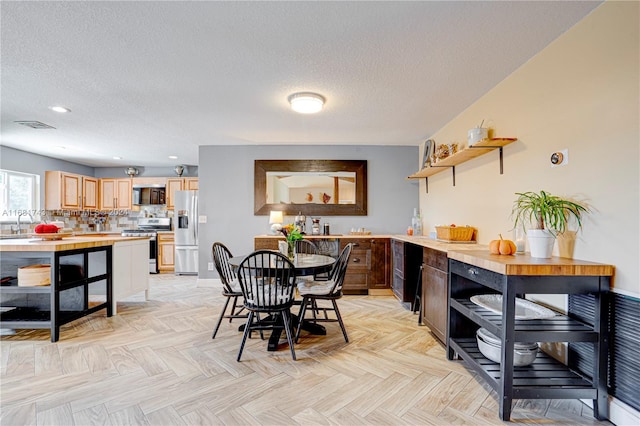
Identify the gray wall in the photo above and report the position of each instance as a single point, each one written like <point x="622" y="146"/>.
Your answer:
<point x="226" y="192"/>
<point x="118" y="172"/>
<point x="26" y="162"/>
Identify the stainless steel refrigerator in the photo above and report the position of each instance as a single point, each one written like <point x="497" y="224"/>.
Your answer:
<point x="186" y="232"/>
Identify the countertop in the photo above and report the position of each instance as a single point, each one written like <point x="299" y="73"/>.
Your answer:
<point x="524" y="264"/>
<point x="438" y="245"/>
<point x="309" y="236"/>
<point x="67" y="243"/>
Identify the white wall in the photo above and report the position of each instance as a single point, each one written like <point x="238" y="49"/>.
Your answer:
<point x="580" y="93"/>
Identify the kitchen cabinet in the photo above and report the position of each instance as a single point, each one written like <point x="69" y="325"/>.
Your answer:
<point x="435" y="291"/>
<point x="166" y="251"/>
<point x="190" y="184"/>
<point x="406" y="265"/>
<point x="179" y="184"/>
<point x="478" y="149"/>
<point x="173" y="185"/>
<point x="479" y="272"/>
<point x="69" y="191"/>
<point x="115" y="194"/>
<point x="369" y="268"/>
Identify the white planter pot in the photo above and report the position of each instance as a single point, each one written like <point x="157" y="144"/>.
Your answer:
<point x="540" y="242"/>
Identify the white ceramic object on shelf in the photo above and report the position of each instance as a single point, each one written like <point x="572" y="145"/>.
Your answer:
<point x="525" y="309"/>
<point x="523" y="353"/>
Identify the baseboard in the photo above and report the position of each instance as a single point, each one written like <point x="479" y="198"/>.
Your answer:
<point x="208" y="282"/>
<point x="620" y="414"/>
<point x="380" y="292"/>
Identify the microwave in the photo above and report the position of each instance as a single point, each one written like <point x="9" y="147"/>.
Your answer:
<point x="149" y="195"/>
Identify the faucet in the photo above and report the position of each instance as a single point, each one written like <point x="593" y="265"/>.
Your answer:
<point x="19" y="231"/>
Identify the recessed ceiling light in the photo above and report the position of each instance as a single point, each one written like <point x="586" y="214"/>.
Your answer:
<point x="306" y="102"/>
<point x="61" y="147"/>
<point x="115" y="157"/>
<point x="58" y="108"/>
<point x="173" y="157"/>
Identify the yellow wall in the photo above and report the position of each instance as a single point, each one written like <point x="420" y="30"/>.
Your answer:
<point x="581" y="93"/>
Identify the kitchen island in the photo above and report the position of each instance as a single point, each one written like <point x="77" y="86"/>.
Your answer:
<point x="82" y="278"/>
<point x="478" y="272"/>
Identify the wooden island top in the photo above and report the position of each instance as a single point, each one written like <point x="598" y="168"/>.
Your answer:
<point x="524" y="264"/>
<point x="67" y="243"/>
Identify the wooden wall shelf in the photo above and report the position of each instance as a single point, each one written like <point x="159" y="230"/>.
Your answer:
<point x="480" y="148"/>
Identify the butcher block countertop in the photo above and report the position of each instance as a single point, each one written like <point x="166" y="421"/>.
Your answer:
<point x="438" y="245"/>
<point x="67" y="243"/>
<point x="524" y="264"/>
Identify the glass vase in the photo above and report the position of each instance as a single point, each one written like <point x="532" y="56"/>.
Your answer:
<point x="291" y="250"/>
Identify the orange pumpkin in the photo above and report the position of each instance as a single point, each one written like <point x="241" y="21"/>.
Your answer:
<point x="502" y="246"/>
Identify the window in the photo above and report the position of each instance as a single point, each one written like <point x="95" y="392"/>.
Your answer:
<point x="19" y="195"/>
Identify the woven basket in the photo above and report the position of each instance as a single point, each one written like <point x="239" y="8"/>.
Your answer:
<point x="34" y="275"/>
<point x="455" y="233"/>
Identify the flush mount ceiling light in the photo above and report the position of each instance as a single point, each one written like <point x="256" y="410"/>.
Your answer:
<point x="306" y="102"/>
<point x="173" y="157"/>
<point x="58" y="108"/>
<point x="115" y="157"/>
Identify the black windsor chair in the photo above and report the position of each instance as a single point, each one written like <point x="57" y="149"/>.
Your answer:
<point x="331" y="289"/>
<point x="267" y="280"/>
<point x="230" y="284"/>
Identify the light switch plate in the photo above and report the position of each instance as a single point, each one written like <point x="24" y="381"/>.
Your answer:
<point x="202" y="219"/>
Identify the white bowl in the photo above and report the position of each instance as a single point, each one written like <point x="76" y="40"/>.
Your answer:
<point x="523" y="353"/>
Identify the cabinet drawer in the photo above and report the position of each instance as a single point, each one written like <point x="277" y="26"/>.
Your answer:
<point x="266" y="243"/>
<point x="165" y="237"/>
<point x="358" y="243"/>
<point x="436" y="259"/>
<point x="482" y="276"/>
<point x="360" y="260"/>
<point x="356" y="283"/>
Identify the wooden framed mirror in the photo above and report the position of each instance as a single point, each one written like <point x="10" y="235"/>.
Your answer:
<point x="311" y="187"/>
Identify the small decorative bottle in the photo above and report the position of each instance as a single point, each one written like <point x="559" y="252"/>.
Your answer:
<point x="416" y="223"/>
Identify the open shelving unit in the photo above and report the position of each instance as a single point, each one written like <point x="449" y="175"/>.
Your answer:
<point x="545" y="378"/>
<point x="81" y="283"/>
<point x="469" y="153"/>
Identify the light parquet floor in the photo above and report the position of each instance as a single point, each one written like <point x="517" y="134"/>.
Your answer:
<point x="155" y="363"/>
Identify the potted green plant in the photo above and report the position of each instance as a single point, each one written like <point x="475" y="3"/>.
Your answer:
<point x="548" y="215"/>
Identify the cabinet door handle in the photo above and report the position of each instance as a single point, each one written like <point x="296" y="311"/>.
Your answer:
<point x="473" y="271"/>
<point x="356" y="244"/>
<point x="356" y="260"/>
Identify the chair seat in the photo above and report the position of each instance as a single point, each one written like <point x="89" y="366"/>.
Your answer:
<point x="266" y="298"/>
<point x="317" y="288"/>
<point x="235" y="286"/>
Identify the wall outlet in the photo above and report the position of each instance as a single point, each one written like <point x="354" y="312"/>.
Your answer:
<point x="202" y="219"/>
<point x="210" y="266"/>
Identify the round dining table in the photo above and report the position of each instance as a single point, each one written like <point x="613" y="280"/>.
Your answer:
<point x="305" y="264"/>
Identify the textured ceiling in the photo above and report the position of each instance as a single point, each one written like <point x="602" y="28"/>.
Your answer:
<point x="146" y="80"/>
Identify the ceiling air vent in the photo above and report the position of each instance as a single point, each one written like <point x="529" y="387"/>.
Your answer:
<point x="35" y="124"/>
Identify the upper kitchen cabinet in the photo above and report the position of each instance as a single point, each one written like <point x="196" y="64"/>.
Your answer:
<point x="179" y="184"/>
<point x="190" y="184"/>
<point x="115" y="194"/>
<point x="68" y="191"/>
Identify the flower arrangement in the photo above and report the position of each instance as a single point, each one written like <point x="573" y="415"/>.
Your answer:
<point x="292" y="234"/>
